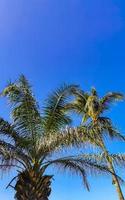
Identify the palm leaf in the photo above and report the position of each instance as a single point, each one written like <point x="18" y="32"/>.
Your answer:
<point x="81" y="165"/>
<point x="106" y="127"/>
<point x="54" y="109"/>
<point x="101" y="160"/>
<point x="73" y="166"/>
<point x="25" y="111"/>
<point x="110" y="98"/>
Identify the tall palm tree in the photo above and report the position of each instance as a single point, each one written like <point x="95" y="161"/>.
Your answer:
<point x="91" y="107"/>
<point x="31" y="141"/>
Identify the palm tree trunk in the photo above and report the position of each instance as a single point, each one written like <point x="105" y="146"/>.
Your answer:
<point x="115" y="180"/>
<point x="32" y="185"/>
<point x="111" y="168"/>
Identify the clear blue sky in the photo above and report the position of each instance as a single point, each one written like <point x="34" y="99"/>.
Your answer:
<point x="56" y="41"/>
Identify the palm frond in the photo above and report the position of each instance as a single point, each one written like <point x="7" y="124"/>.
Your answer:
<point x="55" y="115"/>
<point x="70" y="137"/>
<point x="110" y="98"/>
<point x="78" y="105"/>
<point x="118" y="159"/>
<point x="25" y="110"/>
<point x="10" y="153"/>
<point x="82" y="165"/>
<point x="100" y="159"/>
<point x="73" y="166"/>
<point x="106" y="127"/>
<point x="55" y="141"/>
<point x="7" y="129"/>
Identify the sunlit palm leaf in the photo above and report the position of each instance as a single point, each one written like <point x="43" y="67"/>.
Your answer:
<point x="55" y="116"/>
<point x="25" y="111"/>
<point x="81" y="165"/>
<point x="110" y="98"/>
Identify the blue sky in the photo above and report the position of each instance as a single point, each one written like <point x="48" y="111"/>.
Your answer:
<point x="73" y="41"/>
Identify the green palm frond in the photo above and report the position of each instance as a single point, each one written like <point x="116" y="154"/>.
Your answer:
<point x="7" y="129"/>
<point x="54" y="109"/>
<point x="118" y="159"/>
<point x="101" y="160"/>
<point x="95" y="134"/>
<point x="78" y="105"/>
<point x="9" y="152"/>
<point x="70" y="137"/>
<point x="110" y="98"/>
<point x="105" y="126"/>
<point x="55" y="141"/>
<point x="25" y="111"/>
<point x="73" y="166"/>
<point x="81" y="165"/>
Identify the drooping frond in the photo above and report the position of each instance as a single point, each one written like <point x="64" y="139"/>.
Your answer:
<point x="110" y="98"/>
<point x="55" y="116"/>
<point x="10" y="154"/>
<point x="100" y="159"/>
<point x="80" y="165"/>
<point x="7" y="129"/>
<point x="118" y="159"/>
<point x="74" y="167"/>
<point x="106" y="127"/>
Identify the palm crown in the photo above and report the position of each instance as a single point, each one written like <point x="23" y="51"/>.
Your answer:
<point x="32" y="138"/>
<point x="91" y="107"/>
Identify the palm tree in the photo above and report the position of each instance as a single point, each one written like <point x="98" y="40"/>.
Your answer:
<point x="91" y="107"/>
<point x="30" y="142"/>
